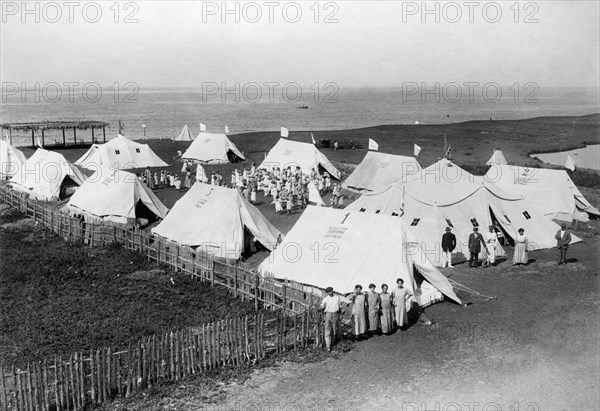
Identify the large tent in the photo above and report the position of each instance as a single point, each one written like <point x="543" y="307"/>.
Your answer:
<point x="497" y="158"/>
<point x="211" y="148"/>
<point x="120" y="153"/>
<point x="288" y="153"/>
<point x="461" y="201"/>
<point x="218" y="220"/>
<point x="550" y="191"/>
<point x="378" y="170"/>
<point x="337" y="248"/>
<point x="48" y="176"/>
<point x="184" y="135"/>
<point x="11" y="160"/>
<point x="116" y="196"/>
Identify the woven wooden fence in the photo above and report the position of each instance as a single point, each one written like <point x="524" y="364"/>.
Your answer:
<point x="99" y="375"/>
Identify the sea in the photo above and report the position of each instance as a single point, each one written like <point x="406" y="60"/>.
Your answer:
<point x="160" y="113"/>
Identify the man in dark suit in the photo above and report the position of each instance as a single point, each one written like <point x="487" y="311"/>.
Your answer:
<point x="448" y="245"/>
<point x="563" y="239"/>
<point x="476" y="241"/>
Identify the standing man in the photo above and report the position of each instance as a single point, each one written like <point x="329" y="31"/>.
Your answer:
<point x="563" y="239"/>
<point x="448" y="245"/>
<point x="475" y="243"/>
<point x="332" y="306"/>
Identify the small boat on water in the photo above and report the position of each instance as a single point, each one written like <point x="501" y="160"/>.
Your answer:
<point x="301" y="106"/>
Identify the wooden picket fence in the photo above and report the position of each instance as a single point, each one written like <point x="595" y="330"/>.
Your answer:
<point x="100" y="375"/>
<point x="97" y="376"/>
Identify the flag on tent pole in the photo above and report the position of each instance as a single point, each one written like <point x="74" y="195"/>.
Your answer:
<point x="226" y="129"/>
<point x="121" y="127"/>
<point x="570" y="164"/>
<point x="373" y="145"/>
<point x="39" y="143"/>
<point x="285" y="132"/>
<point x="202" y="127"/>
<point x="313" y="138"/>
<point x="449" y="151"/>
<point x="417" y="150"/>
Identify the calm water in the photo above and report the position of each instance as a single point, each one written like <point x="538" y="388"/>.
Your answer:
<point x="164" y="111"/>
<point x="587" y="157"/>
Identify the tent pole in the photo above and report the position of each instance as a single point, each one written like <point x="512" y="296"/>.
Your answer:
<point x="104" y="133"/>
<point x="75" y="135"/>
<point x="43" y="139"/>
<point x="32" y="138"/>
<point x="64" y="138"/>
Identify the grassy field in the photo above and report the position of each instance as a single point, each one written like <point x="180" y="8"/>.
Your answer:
<point x="56" y="298"/>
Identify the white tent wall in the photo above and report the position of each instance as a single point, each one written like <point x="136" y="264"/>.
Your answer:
<point x="213" y="218"/>
<point x="184" y="135"/>
<point x="211" y="148"/>
<point x="331" y="247"/>
<point x="43" y="174"/>
<point x="120" y="153"/>
<point x="11" y="160"/>
<point x="497" y="158"/>
<point x="378" y="170"/>
<point x="112" y="196"/>
<point x="288" y="153"/>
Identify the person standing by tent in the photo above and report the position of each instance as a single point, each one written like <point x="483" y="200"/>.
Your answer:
<point x="475" y="242"/>
<point x="149" y="180"/>
<point x="491" y="241"/>
<point x="399" y="297"/>
<point x="387" y="310"/>
<point x="521" y="243"/>
<point x="359" y="311"/>
<point x="563" y="239"/>
<point x="374" y="304"/>
<point x="332" y="306"/>
<point x="448" y="245"/>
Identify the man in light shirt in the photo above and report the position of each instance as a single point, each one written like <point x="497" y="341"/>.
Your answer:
<point x="332" y="306"/>
<point x="563" y="239"/>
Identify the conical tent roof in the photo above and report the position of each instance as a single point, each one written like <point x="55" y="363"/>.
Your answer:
<point x="211" y="148"/>
<point x="11" y="159"/>
<point x="497" y="158"/>
<point x="379" y="170"/>
<point x="43" y="175"/>
<point x="288" y="153"/>
<point x="337" y="248"/>
<point x="214" y="218"/>
<point x="184" y="135"/>
<point x="113" y="195"/>
<point x="552" y="192"/>
<point x="120" y="153"/>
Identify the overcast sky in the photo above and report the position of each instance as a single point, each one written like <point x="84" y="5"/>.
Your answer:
<point x="371" y="44"/>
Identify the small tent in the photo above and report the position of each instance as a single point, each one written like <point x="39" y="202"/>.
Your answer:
<point x="11" y="160"/>
<point x="447" y="196"/>
<point x="210" y="148"/>
<point x="550" y="191"/>
<point x="218" y="220"/>
<point x="337" y="248"/>
<point x="116" y="196"/>
<point x="497" y="158"/>
<point x="184" y="135"/>
<point x="47" y="176"/>
<point x="120" y="153"/>
<point x="287" y="153"/>
<point x="379" y="170"/>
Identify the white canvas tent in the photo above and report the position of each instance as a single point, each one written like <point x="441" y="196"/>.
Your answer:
<point x="211" y="148"/>
<point x="497" y="158"/>
<point x="120" y="153"/>
<point x="461" y="201"/>
<point x="218" y="220"/>
<point x="11" y="160"/>
<point x="287" y="153"/>
<point x="47" y="176"/>
<point x="552" y="192"/>
<point x="184" y="135"/>
<point x="379" y="170"/>
<point x="332" y="247"/>
<point x="116" y="196"/>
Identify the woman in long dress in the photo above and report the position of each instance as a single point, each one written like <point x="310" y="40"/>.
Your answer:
<point x="359" y="312"/>
<point x="399" y="297"/>
<point x="521" y="243"/>
<point x="374" y="304"/>
<point x="491" y="241"/>
<point x="387" y="310"/>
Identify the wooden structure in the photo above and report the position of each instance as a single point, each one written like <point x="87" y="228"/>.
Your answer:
<point x="58" y="125"/>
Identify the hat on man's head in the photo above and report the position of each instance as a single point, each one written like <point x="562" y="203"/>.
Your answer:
<point x="491" y="227"/>
<point x="563" y="226"/>
<point x="447" y="228"/>
<point x="475" y="228"/>
<point x="329" y="289"/>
